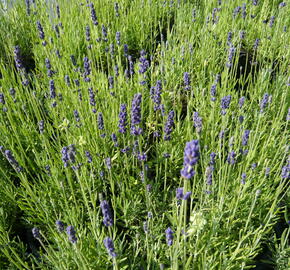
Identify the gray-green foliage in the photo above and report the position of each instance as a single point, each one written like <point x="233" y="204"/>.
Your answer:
<point x="223" y="225"/>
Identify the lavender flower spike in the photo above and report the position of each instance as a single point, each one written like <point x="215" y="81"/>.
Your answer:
<point x="225" y="103"/>
<point x="136" y="114"/>
<point x="123" y="119"/>
<point x="36" y="233"/>
<point x="186" y="80"/>
<point x="264" y="102"/>
<point x="169" y="236"/>
<point x="70" y="230"/>
<point x="191" y="157"/>
<point x="108" y="218"/>
<point x="168" y="126"/>
<point x="109" y="245"/>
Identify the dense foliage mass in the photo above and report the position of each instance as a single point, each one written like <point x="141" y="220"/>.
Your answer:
<point x="144" y="134"/>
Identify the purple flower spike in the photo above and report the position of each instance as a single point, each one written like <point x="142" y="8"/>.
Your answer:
<point x="244" y="176"/>
<point x="231" y="159"/>
<point x="123" y="119"/>
<point x="179" y="193"/>
<point x="59" y="225"/>
<point x="108" y="218"/>
<point x="36" y="233"/>
<point x="70" y="230"/>
<point x="245" y="137"/>
<point x="264" y="102"/>
<point x="136" y="109"/>
<point x="187" y="195"/>
<point x="109" y="245"/>
<point x="186" y="80"/>
<point x="225" y="103"/>
<point x="40" y="30"/>
<point x="169" y="236"/>
<point x="93" y="14"/>
<point x="197" y="120"/>
<point x="144" y="63"/>
<point x="169" y="126"/>
<point x="191" y="157"/>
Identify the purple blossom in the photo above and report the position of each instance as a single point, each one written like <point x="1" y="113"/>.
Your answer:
<point x="212" y="157"/>
<point x="52" y="89"/>
<point x="245" y="137"/>
<point x="186" y="80"/>
<point x="144" y="63"/>
<point x="92" y="97"/>
<point x="57" y="11"/>
<point x="118" y="38"/>
<point x="70" y="230"/>
<point x="76" y="115"/>
<point x="142" y="157"/>
<point x="267" y="171"/>
<point x="68" y="155"/>
<point x="169" y="126"/>
<point x="187" y="195"/>
<point x="149" y="187"/>
<point x="40" y="30"/>
<point x="88" y="33"/>
<point x="104" y="33"/>
<point x="264" y="102"/>
<point x="12" y="92"/>
<point x="244" y="176"/>
<point x="93" y="14"/>
<point x="123" y="119"/>
<point x="59" y="225"/>
<point x="156" y="95"/>
<point x="231" y="159"/>
<point x="108" y="218"/>
<point x="73" y="60"/>
<point x="256" y="44"/>
<point x="108" y="163"/>
<point x="9" y="156"/>
<point x="241" y="102"/>
<point x="236" y="11"/>
<point x="169" y="236"/>
<point x="231" y="54"/>
<point x="100" y="121"/>
<point x="197" y="120"/>
<point x="272" y="20"/>
<point x="213" y="91"/>
<point x="27" y="3"/>
<point x="241" y="119"/>
<point x="109" y="245"/>
<point x="126" y="50"/>
<point x="89" y="157"/>
<point x="191" y="157"/>
<point x="179" y="193"/>
<point x="229" y="38"/>
<point x="36" y="233"/>
<point x="67" y="80"/>
<point x="87" y="67"/>
<point x="18" y="58"/>
<point x="136" y="114"/>
<point x="116" y="69"/>
<point x="242" y="34"/>
<point x="208" y="172"/>
<point x="116" y="6"/>
<point x="225" y="103"/>
<point x="2" y="99"/>
<point x="282" y="4"/>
